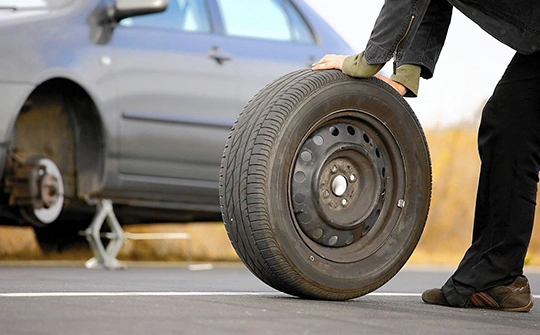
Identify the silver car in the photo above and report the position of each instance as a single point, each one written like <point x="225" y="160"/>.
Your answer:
<point x="133" y="100"/>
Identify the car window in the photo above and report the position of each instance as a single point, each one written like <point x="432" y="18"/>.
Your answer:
<point x="23" y="3"/>
<point x="265" y="19"/>
<point x="185" y="15"/>
<point x="301" y="31"/>
<point x="33" y="4"/>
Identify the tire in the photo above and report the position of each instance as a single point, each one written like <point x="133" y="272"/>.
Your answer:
<point x="63" y="234"/>
<point x="59" y="237"/>
<point x="325" y="184"/>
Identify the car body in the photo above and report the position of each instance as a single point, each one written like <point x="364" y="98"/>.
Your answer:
<point x="135" y="108"/>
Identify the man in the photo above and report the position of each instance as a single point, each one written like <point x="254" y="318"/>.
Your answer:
<point x="412" y="32"/>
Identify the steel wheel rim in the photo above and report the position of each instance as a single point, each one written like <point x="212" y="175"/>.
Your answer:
<point x="346" y="186"/>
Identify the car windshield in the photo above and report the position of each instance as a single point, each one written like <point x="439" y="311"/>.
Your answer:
<point x="32" y="4"/>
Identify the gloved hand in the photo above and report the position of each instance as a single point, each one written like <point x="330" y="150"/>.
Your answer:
<point x="406" y="80"/>
<point x="354" y="66"/>
<point x="408" y="75"/>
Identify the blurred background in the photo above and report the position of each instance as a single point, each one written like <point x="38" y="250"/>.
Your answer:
<point x="448" y="106"/>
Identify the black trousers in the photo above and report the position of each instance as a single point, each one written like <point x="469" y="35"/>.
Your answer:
<point x="509" y="148"/>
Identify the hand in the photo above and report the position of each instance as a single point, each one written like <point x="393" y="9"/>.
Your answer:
<point x="329" y="62"/>
<point x="336" y="62"/>
<point x="397" y="86"/>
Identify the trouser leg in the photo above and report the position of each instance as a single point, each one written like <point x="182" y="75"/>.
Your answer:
<point x="509" y="147"/>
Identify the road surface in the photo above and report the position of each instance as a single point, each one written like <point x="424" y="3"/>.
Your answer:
<point x="229" y="300"/>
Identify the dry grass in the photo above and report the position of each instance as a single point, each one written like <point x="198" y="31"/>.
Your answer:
<point x="446" y="237"/>
<point x="456" y="167"/>
<point x="209" y="243"/>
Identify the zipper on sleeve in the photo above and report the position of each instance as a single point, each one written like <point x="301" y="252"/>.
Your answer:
<point x="401" y="40"/>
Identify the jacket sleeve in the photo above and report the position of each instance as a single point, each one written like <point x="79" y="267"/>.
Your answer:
<point x="426" y="45"/>
<point x="397" y="22"/>
<point x="410" y="31"/>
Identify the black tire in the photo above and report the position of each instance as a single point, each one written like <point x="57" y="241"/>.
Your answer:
<point x="63" y="235"/>
<point x="325" y="184"/>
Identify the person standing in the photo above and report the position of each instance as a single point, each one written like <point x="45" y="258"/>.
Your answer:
<point x="412" y="32"/>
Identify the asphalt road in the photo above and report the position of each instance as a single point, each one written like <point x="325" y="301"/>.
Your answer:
<point x="229" y="300"/>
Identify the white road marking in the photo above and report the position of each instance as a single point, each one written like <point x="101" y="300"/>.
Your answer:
<point x="128" y="294"/>
<point x="176" y="294"/>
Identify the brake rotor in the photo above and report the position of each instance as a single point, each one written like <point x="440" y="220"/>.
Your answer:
<point x="37" y="188"/>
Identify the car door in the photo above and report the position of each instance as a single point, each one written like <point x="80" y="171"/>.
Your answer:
<point x="174" y="86"/>
<point x="268" y="38"/>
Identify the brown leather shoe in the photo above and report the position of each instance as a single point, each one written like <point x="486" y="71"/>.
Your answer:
<point x="515" y="297"/>
<point x="434" y="296"/>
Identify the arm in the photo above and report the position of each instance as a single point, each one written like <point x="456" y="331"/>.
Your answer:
<point x="421" y="56"/>
<point x="394" y="28"/>
<point x="416" y="54"/>
<point x="426" y="46"/>
<point x="396" y="23"/>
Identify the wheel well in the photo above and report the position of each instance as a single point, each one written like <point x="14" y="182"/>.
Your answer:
<point x="59" y="120"/>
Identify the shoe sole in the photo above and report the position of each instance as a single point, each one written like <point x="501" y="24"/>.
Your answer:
<point x="484" y="300"/>
<point x="525" y="308"/>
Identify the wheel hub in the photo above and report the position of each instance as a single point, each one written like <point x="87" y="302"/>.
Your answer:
<point x="48" y="193"/>
<point x="37" y="188"/>
<point x="338" y="185"/>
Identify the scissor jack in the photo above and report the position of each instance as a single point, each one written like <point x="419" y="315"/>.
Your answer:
<point x="105" y="257"/>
